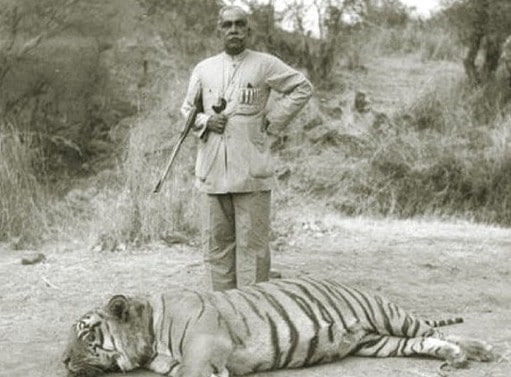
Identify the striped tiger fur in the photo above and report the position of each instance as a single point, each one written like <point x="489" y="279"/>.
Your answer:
<point x="288" y="323"/>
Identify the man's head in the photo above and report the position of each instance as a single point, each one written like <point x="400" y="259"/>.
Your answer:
<point x="234" y="29"/>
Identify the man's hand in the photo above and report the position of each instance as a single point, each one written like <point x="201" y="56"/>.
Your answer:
<point x="216" y="123"/>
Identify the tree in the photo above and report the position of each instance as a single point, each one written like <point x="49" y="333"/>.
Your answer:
<point x="188" y="25"/>
<point x="391" y="13"/>
<point x="304" y="48"/>
<point x="49" y="72"/>
<point x="24" y="24"/>
<point x="480" y="25"/>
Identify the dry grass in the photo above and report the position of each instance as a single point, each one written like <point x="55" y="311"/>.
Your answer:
<point x="128" y="212"/>
<point x="24" y="213"/>
<point x="431" y="42"/>
<point x="444" y="152"/>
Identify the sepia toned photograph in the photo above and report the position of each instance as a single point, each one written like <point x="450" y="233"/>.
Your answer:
<point x="287" y="188"/>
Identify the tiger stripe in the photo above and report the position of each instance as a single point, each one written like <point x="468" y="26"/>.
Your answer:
<point x="283" y="313"/>
<point x="324" y="291"/>
<point x="309" y="313"/>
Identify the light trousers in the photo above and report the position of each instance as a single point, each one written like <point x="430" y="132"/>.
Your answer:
<point x="235" y="238"/>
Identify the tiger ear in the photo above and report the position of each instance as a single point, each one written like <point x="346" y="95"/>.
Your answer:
<point x="118" y="307"/>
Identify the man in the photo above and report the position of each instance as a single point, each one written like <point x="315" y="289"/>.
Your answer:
<point x="233" y="165"/>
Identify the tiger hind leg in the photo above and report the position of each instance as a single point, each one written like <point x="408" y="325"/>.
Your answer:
<point x="377" y="345"/>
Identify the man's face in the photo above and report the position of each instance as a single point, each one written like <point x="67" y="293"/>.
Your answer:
<point x="234" y="31"/>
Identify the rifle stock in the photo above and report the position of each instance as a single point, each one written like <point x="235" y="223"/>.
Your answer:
<point x="190" y="120"/>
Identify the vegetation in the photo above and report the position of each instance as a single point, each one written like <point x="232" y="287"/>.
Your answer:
<point x="482" y="26"/>
<point x="90" y="109"/>
<point x="440" y="162"/>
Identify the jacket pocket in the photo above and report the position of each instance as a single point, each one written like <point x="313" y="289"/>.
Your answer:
<point x="249" y="101"/>
<point x="261" y="165"/>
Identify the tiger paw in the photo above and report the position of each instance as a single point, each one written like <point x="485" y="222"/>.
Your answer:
<point x="223" y="373"/>
<point x="163" y="364"/>
<point x="478" y="350"/>
<point x="457" y="359"/>
<point x="475" y="349"/>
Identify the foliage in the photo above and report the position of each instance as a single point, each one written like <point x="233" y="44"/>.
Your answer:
<point x="386" y="13"/>
<point x="185" y="27"/>
<point x="480" y="25"/>
<point x="128" y="212"/>
<point x="447" y="154"/>
<point x="23" y="199"/>
<point x="432" y="41"/>
<point x="316" y="54"/>
<point x="53" y="78"/>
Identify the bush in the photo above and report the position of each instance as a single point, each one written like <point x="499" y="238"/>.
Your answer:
<point x="126" y="210"/>
<point x="53" y="78"/>
<point x="23" y="199"/>
<point x="438" y="159"/>
<point x="431" y="41"/>
<point x="482" y="26"/>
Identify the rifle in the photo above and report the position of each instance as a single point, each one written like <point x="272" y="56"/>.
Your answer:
<point x="190" y="120"/>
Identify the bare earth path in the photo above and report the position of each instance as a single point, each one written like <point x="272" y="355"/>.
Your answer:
<point x="432" y="268"/>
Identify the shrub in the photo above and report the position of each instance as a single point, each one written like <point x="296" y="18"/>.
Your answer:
<point x="439" y="158"/>
<point x="431" y="41"/>
<point x="482" y="26"/>
<point x="23" y="199"/>
<point x="126" y="210"/>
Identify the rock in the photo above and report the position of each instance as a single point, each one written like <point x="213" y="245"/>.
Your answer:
<point x="33" y="258"/>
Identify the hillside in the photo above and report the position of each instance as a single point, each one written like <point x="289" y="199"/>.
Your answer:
<point x="92" y="109"/>
<point x="396" y="82"/>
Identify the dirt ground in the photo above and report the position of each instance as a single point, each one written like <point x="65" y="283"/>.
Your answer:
<point x="434" y="269"/>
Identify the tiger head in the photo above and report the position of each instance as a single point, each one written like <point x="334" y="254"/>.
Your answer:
<point x="118" y="337"/>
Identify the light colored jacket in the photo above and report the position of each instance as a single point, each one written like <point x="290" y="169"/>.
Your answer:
<point x="239" y="160"/>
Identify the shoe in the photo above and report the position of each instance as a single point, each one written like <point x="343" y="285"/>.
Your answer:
<point x="274" y="274"/>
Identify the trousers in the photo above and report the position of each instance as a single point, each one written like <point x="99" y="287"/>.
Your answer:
<point x="235" y="238"/>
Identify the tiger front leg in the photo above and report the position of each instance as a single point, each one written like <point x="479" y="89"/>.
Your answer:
<point x="206" y="356"/>
<point x="165" y="365"/>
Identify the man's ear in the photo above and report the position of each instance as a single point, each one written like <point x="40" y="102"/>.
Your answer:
<point x="218" y="30"/>
<point x="118" y="307"/>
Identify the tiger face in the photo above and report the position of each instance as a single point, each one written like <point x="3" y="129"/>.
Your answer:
<point x="115" y="338"/>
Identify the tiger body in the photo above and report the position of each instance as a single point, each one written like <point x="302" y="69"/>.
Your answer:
<point x="288" y="323"/>
<point x="258" y="329"/>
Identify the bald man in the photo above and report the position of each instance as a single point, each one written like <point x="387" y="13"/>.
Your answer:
<point x="234" y="168"/>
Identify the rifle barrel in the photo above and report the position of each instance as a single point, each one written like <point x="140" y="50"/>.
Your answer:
<point x="190" y="120"/>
